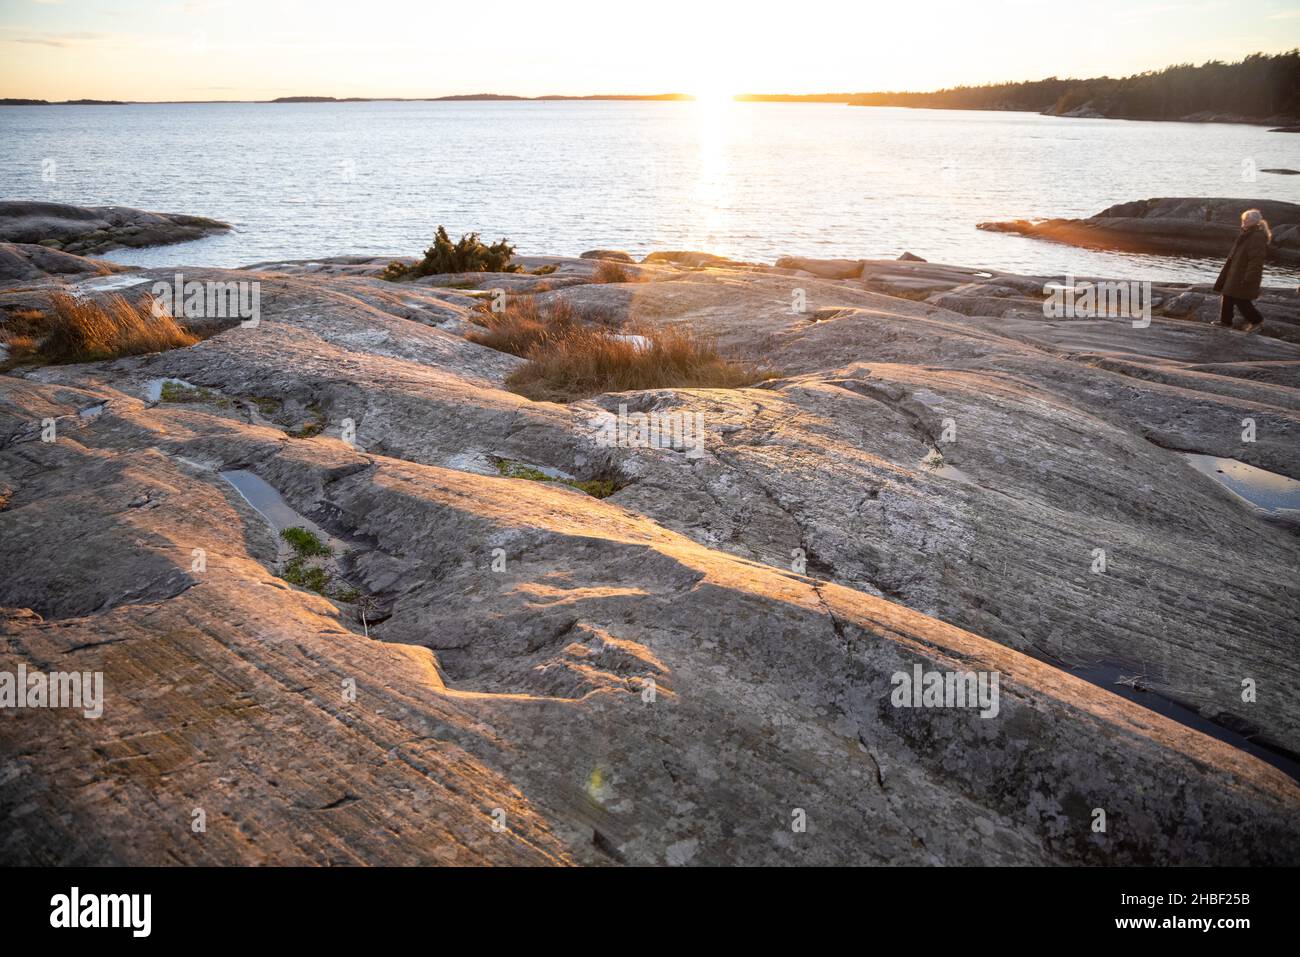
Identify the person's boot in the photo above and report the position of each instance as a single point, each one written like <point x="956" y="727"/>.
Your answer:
<point x="1252" y="325"/>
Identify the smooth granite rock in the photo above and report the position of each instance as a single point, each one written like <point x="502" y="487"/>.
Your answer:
<point x="683" y="672"/>
<point x="96" y="229"/>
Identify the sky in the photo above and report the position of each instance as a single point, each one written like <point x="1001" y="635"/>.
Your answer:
<point x="261" y="49"/>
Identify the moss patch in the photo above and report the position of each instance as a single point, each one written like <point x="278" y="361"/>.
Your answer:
<point x="303" y="542"/>
<point x="315" y="425"/>
<point x="596" y="488"/>
<point x="177" y="392"/>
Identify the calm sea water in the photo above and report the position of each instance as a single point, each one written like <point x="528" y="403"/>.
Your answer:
<point x="754" y="181"/>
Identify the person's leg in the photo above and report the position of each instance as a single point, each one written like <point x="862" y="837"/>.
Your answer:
<point x="1249" y="312"/>
<point x="1225" y="311"/>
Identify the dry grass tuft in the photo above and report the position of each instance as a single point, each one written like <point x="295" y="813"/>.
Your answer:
<point x="88" y="330"/>
<point x="574" y="352"/>
<point x="589" y="361"/>
<point x="607" y="270"/>
<point x="524" y="325"/>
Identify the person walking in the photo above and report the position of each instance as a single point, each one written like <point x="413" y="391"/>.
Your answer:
<point x="1242" y="274"/>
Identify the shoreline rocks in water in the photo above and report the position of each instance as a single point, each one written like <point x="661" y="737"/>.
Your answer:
<point x="87" y="230"/>
<point x="662" y="675"/>
<point x="20" y="261"/>
<point x="1171" y="226"/>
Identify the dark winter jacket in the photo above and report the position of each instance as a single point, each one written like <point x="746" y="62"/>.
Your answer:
<point x="1244" y="271"/>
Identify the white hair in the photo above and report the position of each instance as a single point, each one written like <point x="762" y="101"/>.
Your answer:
<point x="1253" y="217"/>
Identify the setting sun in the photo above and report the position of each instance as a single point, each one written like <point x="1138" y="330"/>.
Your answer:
<point x="713" y="95"/>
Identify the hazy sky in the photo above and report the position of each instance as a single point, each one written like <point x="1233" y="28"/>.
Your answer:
<point x="258" y="49"/>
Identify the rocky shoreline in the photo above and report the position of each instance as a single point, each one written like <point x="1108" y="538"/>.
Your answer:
<point x="1171" y="226"/>
<point x="672" y="674"/>
<point x="92" y="230"/>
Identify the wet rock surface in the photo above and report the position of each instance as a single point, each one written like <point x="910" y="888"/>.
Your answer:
<point x="675" y="674"/>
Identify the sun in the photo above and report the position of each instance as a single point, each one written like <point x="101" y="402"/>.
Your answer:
<point x="713" y="94"/>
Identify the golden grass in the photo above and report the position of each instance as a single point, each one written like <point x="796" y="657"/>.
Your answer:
<point x="88" y="330"/>
<point x="585" y="360"/>
<point x="524" y="325"/>
<point x="607" y="270"/>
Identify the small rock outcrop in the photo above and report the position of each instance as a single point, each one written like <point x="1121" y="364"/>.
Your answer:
<point x="822" y="268"/>
<point x="616" y="255"/>
<point x="1170" y="226"/>
<point x="692" y="258"/>
<point x="85" y="230"/>
<point x="19" y="261"/>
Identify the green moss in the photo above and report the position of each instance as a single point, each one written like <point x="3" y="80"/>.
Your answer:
<point x="178" y="392"/>
<point x="596" y="488"/>
<point x="303" y="542"/>
<point x="521" y="471"/>
<point x="348" y="595"/>
<point x="266" y="405"/>
<point x="313" y="426"/>
<point x="296" y="571"/>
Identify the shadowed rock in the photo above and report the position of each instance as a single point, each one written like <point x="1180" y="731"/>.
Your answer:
<point x="21" y="261"/>
<point x="97" y="229"/>
<point x="1176" y="227"/>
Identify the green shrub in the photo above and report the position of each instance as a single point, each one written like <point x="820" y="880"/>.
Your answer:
<point x="468" y="254"/>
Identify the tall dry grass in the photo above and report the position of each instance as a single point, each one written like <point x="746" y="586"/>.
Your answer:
<point x="574" y="352"/>
<point x="607" y="270"/>
<point x="88" y="330"/>
<point x="581" y="360"/>
<point x="524" y="324"/>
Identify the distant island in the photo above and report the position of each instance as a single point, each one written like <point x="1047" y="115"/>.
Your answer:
<point x="10" y="101"/>
<point x="486" y="97"/>
<point x="1258" y="89"/>
<point x="1261" y="88"/>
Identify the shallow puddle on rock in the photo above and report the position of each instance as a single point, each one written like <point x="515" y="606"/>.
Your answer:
<point x="1269" y="492"/>
<point x="1116" y="678"/>
<point x="109" y="283"/>
<point x="269" y="503"/>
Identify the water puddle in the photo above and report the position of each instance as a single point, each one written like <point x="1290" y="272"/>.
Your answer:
<point x="1125" y="681"/>
<point x="1275" y="495"/>
<point x="109" y="283"/>
<point x="268" y="503"/>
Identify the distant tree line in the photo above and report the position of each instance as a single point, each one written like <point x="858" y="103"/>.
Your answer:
<point x="1261" y="86"/>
